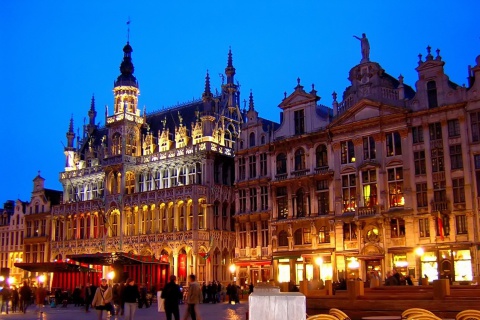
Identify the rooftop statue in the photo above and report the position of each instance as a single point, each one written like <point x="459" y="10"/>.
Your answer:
<point x="365" y="47"/>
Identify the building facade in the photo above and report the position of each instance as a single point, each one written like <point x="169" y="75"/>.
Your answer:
<point x="158" y="184"/>
<point x="386" y="178"/>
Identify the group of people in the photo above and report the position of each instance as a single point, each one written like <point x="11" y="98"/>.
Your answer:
<point x="395" y="278"/>
<point x="21" y="298"/>
<point x="212" y="292"/>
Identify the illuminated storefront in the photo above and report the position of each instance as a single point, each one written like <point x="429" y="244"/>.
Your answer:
<point x="447" y="263"/>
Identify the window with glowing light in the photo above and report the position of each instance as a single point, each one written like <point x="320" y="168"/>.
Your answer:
<point x="282" y="203"/>
<point x="349" y="192"/>
<point x="324" y="235"/>
<point x="397" y="228"/>
<point x="347" y="152"/>
<point x="369" y="184"/>
<point x="395" y="187"/>
<point x="424" y="227"/>
<point x="350" y="231"/>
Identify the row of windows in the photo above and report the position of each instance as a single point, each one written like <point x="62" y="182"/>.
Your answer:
<point x="253" y="168"/>
<point x="255" y="236"/>
<point x="301" y="201"/>
<point x="257" y="199"/>
<point x="303" y="236"/>
<point x="321" y="159"/>
<point x="15" y="238"/>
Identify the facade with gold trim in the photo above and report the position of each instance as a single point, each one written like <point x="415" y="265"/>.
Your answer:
<point x="158" y="184"/>
<point x="386" y="178"/>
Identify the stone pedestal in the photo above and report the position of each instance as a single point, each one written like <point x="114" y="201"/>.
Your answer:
<point x="355" y="289"/>
<point x="441" y="289"/>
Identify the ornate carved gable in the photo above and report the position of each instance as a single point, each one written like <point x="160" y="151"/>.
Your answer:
<point x="365" y="110"/>
<point x="296" y="98"/>
<point x="164" y="141"/>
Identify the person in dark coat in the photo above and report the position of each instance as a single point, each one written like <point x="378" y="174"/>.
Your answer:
<point x="89" y="293"/>
<point x="130" y="295"/>
<point x="15" y="299"/>
<point x="26" y="294"/>
<point x="172" y="295"/>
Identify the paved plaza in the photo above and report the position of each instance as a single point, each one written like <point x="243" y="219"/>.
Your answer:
<point x="207" y="312"/>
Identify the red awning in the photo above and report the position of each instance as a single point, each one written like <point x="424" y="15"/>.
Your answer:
<point x="54" y="266"/>
<point x="252" y="263"/>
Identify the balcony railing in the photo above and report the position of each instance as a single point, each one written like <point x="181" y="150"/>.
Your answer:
<point x="367" y="211"/>
<point x="300" y="173"/>
<point x="440" y="206"/>
<point x="280" y="177"/>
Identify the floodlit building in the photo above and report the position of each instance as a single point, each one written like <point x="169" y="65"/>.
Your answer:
<point x="152" y="185"/>
<point x="385" y="179"/>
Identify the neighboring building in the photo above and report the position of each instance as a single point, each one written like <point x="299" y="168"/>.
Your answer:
<point x="158" y="184"/>
<point x="387" y="179"/>
<point x="253" y="253"/>
<point x="11" y="234"/>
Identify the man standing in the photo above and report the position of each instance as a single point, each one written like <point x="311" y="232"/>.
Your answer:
<point x="172" y="295"/>
<point x="26" y="294"/>
<point x="194" y="296"/>
<point x="88" y="296"/>
<point x="40" y="295"/>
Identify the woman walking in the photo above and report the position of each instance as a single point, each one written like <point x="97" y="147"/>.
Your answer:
<point x="130" y="297"/>
<point x="103" y="299"/>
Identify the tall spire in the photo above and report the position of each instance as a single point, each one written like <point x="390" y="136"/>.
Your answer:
<point x="126" y="78"/>
<point x="70" y="134"/>
<point x="230" y="69"/>
<point x="92" y="113"/>
<point x="207" y="93"/>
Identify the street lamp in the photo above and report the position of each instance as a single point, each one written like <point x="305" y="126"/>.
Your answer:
<point x="41" y="278"/>
<point x="232" y="269"/>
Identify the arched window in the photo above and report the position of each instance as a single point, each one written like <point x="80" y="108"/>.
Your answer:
<point x="297" y="237"/>
<point x="301" y="203"/>
<point x="321" y="156"/>
<point x="299" y="159"/>
<point x="281" y="163"/>
<point x="252" y="139"/>
<point x="432" y="94"/>
<point x="283" y="239"/>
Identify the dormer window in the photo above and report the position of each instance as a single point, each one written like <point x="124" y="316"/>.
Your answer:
<point x="299" y="119"/>
<point x="432" y="94"/>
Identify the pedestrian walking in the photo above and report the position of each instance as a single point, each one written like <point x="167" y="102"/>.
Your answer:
<point x="26" y="296"/>
<point x="172" y="295"/>
<point x="89" y="293"/>
<point x="40" y="295"/>
<point x="194" y="296"/>
<point x="102" y="301"/>
<point x="6" y="296"/>
<point x="15" y="299"/>
<point x="130" y="296"/>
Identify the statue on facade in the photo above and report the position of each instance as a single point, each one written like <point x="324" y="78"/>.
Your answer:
<point x="365" y="47"/>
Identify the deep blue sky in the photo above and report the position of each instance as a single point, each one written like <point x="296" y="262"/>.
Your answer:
<point x="56" y="54"/>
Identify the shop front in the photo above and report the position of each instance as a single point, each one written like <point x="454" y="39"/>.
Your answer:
<point x="453" y="263"/>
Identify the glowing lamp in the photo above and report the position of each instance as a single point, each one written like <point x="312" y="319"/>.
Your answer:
<point x="419" y="251"/>
<point x="319" y="261"/>
<point x="2" y="278"/>
<point x="232" y="268"/>
<point x="354" y="264"/>
<point x="111" y="275"/>
<point x="11" y="280"/>
<point x="401" y="264"/>
<point x="41" y="278"/>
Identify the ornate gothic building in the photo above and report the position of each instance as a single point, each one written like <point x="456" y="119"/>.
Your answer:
<point x="155" y="185"/>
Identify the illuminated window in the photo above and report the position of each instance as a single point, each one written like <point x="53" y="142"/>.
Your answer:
<point x="350" y="231"/>
<point x="116" y="144"/>
<point x="347" y="152"/>
<point x="369" y="183"/>
<point x="282" y="203"/>
<point x="324" y="235"/>
<point x="424" y="227"/>
<point x="130" y="183"/>
<point x="395" y="187"/>
<point x="349" y="192"/>
<point x="397" y="228"/>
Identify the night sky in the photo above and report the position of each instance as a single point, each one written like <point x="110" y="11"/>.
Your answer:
<point x="56" y="54"/>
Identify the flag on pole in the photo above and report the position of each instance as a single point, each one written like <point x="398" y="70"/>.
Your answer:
<point x="440" y="226"/>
